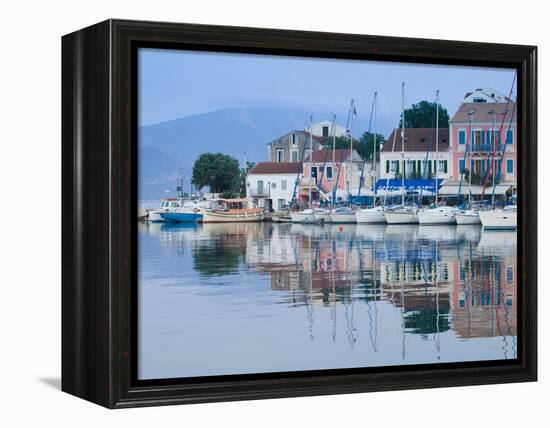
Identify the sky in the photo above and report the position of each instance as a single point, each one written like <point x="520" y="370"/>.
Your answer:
<point x="175" y="83"/>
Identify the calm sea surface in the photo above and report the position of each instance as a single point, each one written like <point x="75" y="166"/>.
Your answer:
<point x="220" y="299"/>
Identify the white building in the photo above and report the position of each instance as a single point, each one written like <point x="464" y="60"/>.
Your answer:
<point x="418" y="142"/>
<point x="484" y="95"/>
<point x="324" y="129"/>
<point x="270" y="185"/>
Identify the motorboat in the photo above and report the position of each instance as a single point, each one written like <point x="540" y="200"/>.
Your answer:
<point x="231" y="211"/>
<point x="499" y="219"/>
<point x="371" y="215"/>
<point x="166" y="205"/>
<point x="437" y="215"/>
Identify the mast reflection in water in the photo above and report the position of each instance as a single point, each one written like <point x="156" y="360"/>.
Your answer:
<point x="220" y="299"/>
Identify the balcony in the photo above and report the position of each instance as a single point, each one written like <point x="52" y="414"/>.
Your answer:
<point x="258" y="193"/>
<point x="486" y="148"/>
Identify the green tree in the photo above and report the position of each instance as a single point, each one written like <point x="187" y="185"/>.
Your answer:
<point x="220" y="172"/>
<point x="364" y="145"/>
<point x="422" y="115"/>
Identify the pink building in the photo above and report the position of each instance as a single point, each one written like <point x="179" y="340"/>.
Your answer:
<point x="344" y="174"/>
<point x="484" y="129"/>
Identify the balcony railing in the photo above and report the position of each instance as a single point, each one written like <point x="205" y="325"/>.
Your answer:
<point x="258" y="193"/>
<point x="487" y="148"/>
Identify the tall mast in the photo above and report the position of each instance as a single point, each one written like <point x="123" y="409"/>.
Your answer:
<point x="403" y="143"/>
<point x="348" y="172"/>
<point x="493" y="163"/>
<point x="333" y="130"/>
<point x="436" y="145"/>
<point x="310" y="154"/>
<point x="374" y="151"/>
<point x="472" y="113"/>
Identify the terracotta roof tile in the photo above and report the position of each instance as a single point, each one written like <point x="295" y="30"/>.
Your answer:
<point x="482" y="112"/>
<point x="418" y="140"/>
<point x="276" y="168"/>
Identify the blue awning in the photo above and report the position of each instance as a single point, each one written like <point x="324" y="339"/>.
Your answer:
<point x="412" y="186"/>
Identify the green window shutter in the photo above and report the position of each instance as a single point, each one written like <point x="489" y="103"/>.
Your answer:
<point x="397" y="167"/>
<point x="445" y="166"/>
<point x="387" y="167"/>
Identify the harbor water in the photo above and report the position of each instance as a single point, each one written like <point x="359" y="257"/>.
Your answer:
<point x="218" y="299"/>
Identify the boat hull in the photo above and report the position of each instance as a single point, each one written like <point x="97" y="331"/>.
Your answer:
<point x="368" y="216"/>
<point x="307" y="218"/>
<point x="155" y="217"/>
<point x="232" y="217"/>
<point x="175" y="217"/>
<point x="341" y="218"/>
<point x="429" y="217"/>
<point x="498" y="220"/>
<point x="465" y="218"/>
<point x="401" y="217"/>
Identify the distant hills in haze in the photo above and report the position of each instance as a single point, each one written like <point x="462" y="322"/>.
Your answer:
<point x="169" y="149"/>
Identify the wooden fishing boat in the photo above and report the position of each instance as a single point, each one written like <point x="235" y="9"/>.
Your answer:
<point x="232" y="211"/>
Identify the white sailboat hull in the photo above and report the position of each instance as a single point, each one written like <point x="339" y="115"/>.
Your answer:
<point x="498" y="219"/>
<point x="341" y="218"/>
<point x="307" y="218"/>
<point x="370" y="216"/>
<point x="436" y="216"/>
<point x="401" y="217"/>
<point x="467" y="218"/>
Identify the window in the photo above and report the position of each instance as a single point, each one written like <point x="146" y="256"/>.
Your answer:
<point x="314" y="172"/>
<point x="280" y="155"/>
<point x="281" y="203"/>
<point x="480" y="100"/>
<point x="325" y="131"/>
<point x="461" y="166"/>
<point x="462" y="136"/>
<point x="509" y="166"/>
<point x="294" y="155"/>
<point x="260" y="187"/>
<point x="283" y="184"/>
<point x="509" y="136"/>
<point x="477" y="136"/>
<point x="293" y="138"/>
<point x="509" y="274"/>
<point x="329" y="173"/>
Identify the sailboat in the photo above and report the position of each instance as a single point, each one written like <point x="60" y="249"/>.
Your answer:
<point x="437" y="214"/>
<point x="402" y="214"/>
<point x="345" y="214"/>
<point x="504" y="219"/>
<point x="469" y="215"/>
<point x="309" y="215"/>
<point x="374" y="214"/>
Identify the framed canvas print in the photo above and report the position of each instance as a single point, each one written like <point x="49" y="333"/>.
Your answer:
<point x="253" y="213"/>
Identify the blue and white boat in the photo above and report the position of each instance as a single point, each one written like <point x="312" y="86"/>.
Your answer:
<point x="167" y="205"/>
<point x="190" y="212"/>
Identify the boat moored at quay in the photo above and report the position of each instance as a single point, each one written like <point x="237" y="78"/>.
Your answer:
<point x="499" y="219"/>
<point x="231" y="211"/>
<point x="437" y="215"/>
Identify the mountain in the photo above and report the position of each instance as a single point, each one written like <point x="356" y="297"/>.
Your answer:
<point x="169" y="149"/>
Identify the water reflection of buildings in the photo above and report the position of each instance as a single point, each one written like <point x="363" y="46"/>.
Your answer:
<point x="484" y="299"/>
<point x="318" y="263"/>
<point x="440" y="278"/>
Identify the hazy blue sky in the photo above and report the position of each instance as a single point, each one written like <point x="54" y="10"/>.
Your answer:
<point x="181" y="83"/>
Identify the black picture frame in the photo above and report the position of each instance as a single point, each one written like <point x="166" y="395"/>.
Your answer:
<point x="100" y="199"/>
